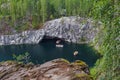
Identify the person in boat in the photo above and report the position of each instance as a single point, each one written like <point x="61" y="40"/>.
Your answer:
<point x="75" y="53"/>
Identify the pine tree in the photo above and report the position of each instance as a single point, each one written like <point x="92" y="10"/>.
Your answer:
<point x="44" y="10"/>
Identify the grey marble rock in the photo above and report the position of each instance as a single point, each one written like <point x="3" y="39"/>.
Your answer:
<point x="72" y="29"/>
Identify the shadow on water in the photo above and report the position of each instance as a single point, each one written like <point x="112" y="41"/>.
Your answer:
<point x="46" y="50"/>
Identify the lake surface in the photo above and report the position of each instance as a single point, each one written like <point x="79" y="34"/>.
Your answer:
<point x="47" y="50"/>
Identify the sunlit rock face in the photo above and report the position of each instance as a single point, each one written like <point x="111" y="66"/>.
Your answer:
<point x="26" y="37"/>
<point x="58" y="69"/>
<point x="71" y="29"/>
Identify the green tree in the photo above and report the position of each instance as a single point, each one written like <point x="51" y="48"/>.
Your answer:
<point x="44" y="10"/>
<point x="24" y="58"/>
<point x="107" y="68"/>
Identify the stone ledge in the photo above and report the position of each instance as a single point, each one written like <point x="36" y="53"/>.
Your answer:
<point x="58" y="69"/>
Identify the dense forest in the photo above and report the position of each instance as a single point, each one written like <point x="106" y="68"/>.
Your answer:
<point x="107" y="68"/>
<point x="31" y="14"/>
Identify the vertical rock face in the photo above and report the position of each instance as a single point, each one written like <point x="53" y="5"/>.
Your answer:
<point x="71" y="29"/>
<point x="26" y="37"/>
<point x="58" y="69"/>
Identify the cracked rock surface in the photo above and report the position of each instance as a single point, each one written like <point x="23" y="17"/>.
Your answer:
<point x="58" y="69"/>
<point x="72" y="29"/>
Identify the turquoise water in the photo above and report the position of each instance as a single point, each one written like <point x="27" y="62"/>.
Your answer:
<point x="47" y="50"/>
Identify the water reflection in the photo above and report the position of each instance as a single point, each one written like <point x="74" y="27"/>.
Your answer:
<point x="47" y="50"/>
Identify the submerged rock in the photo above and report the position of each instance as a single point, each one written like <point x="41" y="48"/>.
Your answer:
<point x="71" y="29"/>
<point x="58" y="69"/>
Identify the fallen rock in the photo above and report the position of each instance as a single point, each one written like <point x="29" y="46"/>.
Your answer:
<point x="58" y="69"/>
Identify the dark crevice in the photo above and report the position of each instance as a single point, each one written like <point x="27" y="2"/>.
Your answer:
<point x="55" y="39"/>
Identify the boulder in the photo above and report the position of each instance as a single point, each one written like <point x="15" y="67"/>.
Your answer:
<point x="58" y="69"/>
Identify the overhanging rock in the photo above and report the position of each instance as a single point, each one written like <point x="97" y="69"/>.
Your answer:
<point x="71" y="29"/>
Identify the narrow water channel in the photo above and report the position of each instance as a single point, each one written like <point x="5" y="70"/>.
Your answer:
<point x="46" y="50"/>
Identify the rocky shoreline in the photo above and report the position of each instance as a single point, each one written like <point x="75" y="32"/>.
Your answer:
<point x="71" y="29"/>
<point x="58" y="69"/>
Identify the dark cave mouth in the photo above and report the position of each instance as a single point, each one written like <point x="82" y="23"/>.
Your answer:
<point x="55" y="39"/>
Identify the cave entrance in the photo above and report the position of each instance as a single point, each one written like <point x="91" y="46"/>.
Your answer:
<point x="56" y="40"/>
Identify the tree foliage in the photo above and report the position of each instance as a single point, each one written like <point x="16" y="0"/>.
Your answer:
<point x="27" y="14"/>
<point x="24" y="58"/>
<point x="107" y="68"/>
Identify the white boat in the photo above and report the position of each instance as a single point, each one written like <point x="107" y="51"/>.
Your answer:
<point x="59" y="45"/>
<point x="75" y="53"/>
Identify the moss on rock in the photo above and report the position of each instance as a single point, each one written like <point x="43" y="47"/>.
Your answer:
<point x="82" y="77"/>
<point x="80" y="63"/>
<point x="58" y="69"/>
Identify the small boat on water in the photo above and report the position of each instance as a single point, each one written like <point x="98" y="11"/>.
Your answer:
<point x="59" y="45"/>
<point x="58" y="41"/>
<point x="75" y="53"/>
